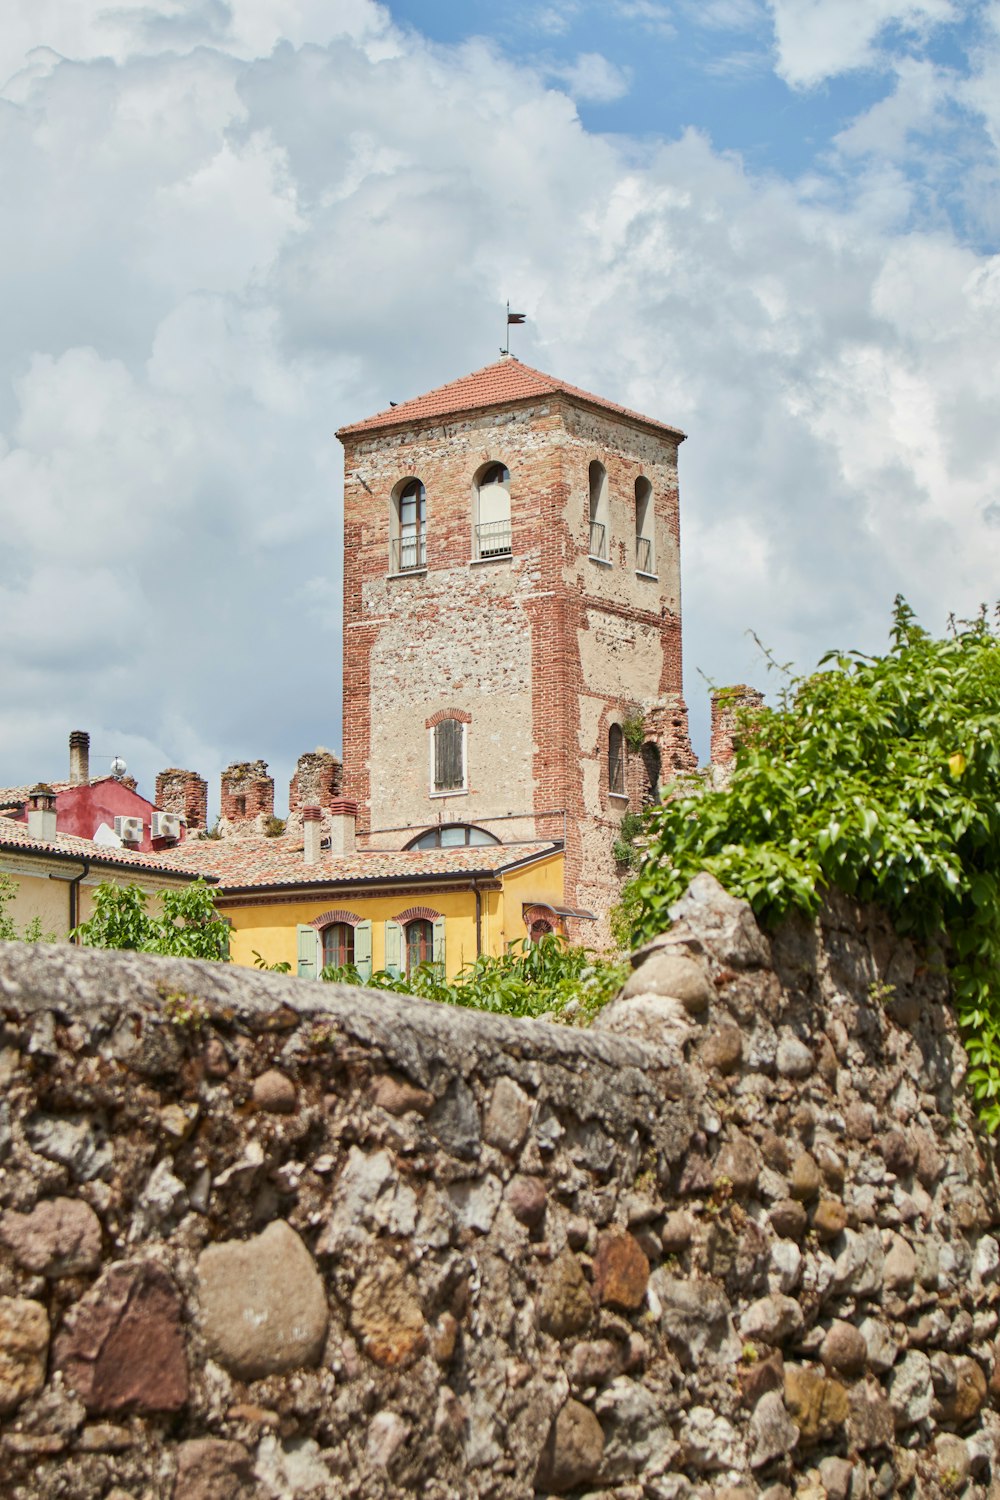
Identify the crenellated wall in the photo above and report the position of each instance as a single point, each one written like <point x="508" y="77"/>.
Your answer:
<point x="263" y="1237"/>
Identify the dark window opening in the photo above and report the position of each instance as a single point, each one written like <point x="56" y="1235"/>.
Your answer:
<point x="540" y="928"/>
<point x="419" y="944"/>
<point x="616" y="760"/>
<point x="652" y="765"/>
<point x="338" y="945"/>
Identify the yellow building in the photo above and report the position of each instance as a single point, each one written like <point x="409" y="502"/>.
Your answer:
<point x="381" y="909"/>
<point x="55" y="874"/>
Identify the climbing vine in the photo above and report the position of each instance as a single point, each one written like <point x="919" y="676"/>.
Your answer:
<point x="878" y="776"/>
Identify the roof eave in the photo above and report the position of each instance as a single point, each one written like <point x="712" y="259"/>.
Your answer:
<point x="392" y="423"/>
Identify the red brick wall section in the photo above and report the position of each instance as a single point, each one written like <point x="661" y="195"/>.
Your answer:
<point x="318" y="779"/>
<point x="730" y="707"/>
<point x="247" y="792"/>
<point x="338" y="914"/>
<point x="183" y="792"/>
<point x="460" y="714"/>
<point x="416" y="913"/>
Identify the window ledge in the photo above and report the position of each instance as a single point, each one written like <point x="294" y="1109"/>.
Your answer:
<point x="458" y="791"/>
<point x="639" y="573"/>
<point x="619" y="796"/>
<point x="475" y="562"/>
<point x="409" y="573"/>
<point x="603" y="562"/>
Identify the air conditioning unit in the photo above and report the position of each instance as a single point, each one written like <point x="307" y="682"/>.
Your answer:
<point x="129" y="830"/>
<point x="167" y="825"/>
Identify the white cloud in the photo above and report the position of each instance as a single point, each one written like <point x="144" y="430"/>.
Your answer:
<point x="215" y="259"/>
<point x="818" y="39"/>
<point x="593" y="79"/>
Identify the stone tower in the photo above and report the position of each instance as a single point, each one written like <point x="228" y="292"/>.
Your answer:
<point x="512" y="626"/>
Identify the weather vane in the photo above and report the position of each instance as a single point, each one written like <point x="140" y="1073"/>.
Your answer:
<point x="512" y="318"/>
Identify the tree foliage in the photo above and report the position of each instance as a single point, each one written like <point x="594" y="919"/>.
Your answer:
<point x="188" y="925"/>
<point x="878" y="776"/>
<point x="530" y="979"/>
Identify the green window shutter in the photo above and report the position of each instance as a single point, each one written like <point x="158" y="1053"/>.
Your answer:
<point x="393" y="949"/>
<point x="307" y="948"/>
<point x="363" y="949"/>
<point x="438" y="949"/>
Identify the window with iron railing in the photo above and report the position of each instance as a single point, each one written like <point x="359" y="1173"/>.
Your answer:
<point x="409" y="552"/>
<point x="598" y="541"/>
<point x="643" y="554"/>
<point x="493" y="539"/>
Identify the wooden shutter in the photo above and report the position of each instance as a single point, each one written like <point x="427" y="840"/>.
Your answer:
<point x="438" y="948"/>
<point x="307" y="948"/>
<point x="393" y="949"/>
<point x="616" y="760"/>
<point x="363" y="949"/>
<point x="448" y="755"/>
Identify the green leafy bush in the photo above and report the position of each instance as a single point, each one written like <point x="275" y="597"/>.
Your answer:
<point x="188" y="926"/>
<point x="547" y="978"/>
<point x="877" y="776"/>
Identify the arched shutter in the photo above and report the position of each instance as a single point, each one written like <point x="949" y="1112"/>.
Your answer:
<point x="363" y="949"/>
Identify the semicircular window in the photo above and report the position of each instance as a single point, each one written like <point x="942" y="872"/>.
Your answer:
<point x="452" y="836"/>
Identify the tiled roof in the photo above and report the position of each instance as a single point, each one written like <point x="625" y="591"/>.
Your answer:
<point x="16" y="796"/>
<point x="241" y="863"/>
<point x="14" y="837"/>
<point x="499" y="384"/>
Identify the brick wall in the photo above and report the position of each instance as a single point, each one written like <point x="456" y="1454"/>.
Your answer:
<point x="183" y="792"/>
<point x="246" y="796"/>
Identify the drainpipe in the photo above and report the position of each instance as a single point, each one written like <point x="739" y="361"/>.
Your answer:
<point x="479" y="919"/>
<point x="74" y="895"/>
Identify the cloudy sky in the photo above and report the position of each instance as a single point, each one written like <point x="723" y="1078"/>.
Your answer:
<point x="230" y="226"/>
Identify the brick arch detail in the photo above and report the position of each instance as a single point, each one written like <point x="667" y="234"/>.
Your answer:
<point x="460" y="714"/>
<point x="532" y="914"/>
<point x="415" y="914"/>
<point x="337" y="914"/>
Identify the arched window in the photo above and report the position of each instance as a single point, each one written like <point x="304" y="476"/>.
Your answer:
<point x="448" y="756"/>
<point x="616" y="761"/>
<point x="491" y="530"/>
<point x="452" y="836"/>
<point x="419" y="944"/>
<point x="338" y="945"/>
<point x="408" y="525"/>
<point x="645" y="556"/>
<point x="540" y="927"/>
<point x="600" y="519"/>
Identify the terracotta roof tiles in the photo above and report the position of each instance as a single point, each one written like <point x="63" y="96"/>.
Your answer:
<point x="242" y="863"/>
<point x="500" y="384"/>
<point x="14" y="837"/>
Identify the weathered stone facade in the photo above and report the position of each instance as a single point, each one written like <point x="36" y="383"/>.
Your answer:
<point x="265" y="1238"/>
<point x="246" y="801"/>
<point x="186" y="793"/>
<point x="541" y="651"/>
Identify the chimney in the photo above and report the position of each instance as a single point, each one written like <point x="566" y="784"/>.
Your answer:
<point x="312" y="834"/>
<point x="731" y="707"/>
<point x="41" y="811"/>
<point x="343" y="815"/>
<point x="79" y="757"/>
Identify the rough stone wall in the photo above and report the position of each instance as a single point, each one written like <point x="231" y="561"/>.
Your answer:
<point x="543" y="650"/>
<point x="317" y="782"/>
<point x="183" y="792"/>
<point x="261" y="1237"/>
<point x="729" y="704"/>
<point x="246" y="799"/>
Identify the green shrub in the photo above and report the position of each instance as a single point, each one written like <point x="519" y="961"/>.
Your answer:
<point x="188" y="926"/>
<point x="880" y="777"/>
<point x="531" y="979"/>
